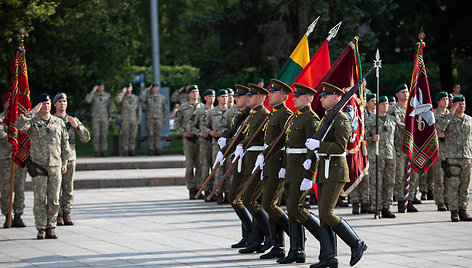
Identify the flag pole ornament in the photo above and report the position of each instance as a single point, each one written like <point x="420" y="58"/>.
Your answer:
<point x="312" y="26"/>
<point x="377" y="66"/>
<point x="334" y="31"/>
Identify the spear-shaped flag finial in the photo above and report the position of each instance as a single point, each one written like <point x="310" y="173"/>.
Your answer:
<point x="312" y="26"/>
<point x="334" y="31"/>
<point x="377" y="63"/>
<point x="421" y="35"/>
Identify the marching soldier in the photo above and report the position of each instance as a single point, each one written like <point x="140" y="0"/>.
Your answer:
<point x="273" y="185"/>
<point x="130" y="119"/>
<point x="298" y="181"/>
<point x="49" y="151"/>
<point x="184" y="118"/>
<point x="6" y="150"/>
<point x="456" y="128"/>
<point x="157" y="114"/>
<point x="102" y="109"/>
<point x="74" y="128"/>
<point x="333" y="173"/>
<point x="204" y="140"/>
<point x="440" y="184"/>
<point x="389" y="131"/>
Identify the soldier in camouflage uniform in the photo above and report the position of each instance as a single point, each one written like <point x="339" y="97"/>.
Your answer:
<point x="74" y="129"/>
<point x="389" y="131"/>
<point x="204" y="140"/>
<point x="49" y="151"/>
<point x="230" y="97"/>
<point x="398" y="111"/>
<point x="180" y="96"/>
<point x="130" y="119"/>
<point x="102" y="109"/>
<point x="436" y="171"/>
<point x="5" y="183"/>
<point x="457" y="129"/>
<point x="157" y="114"/>
<point x="370" y="104"/>
<point x="212" y="126"/>
<point x="184" y="119"/>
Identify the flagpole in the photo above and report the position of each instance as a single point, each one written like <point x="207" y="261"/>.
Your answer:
<point x="377" y="64"/>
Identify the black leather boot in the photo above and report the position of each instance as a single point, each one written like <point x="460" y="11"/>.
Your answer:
<point x="246" y="226"/>
<point x="263" y="221"/>
<point x="347" y="234"/>
<point x="329" y="246"/>
<point x="278" y="243"/>
<point x="313" y="226"/>
<point x="243" y="241"/>
<point x="297" y="245"/>
<point x="255" y="239"/>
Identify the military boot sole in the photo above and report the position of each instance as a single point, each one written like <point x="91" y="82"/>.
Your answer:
<point x="292" y="259"/>
<point x="274" y="253"/>
<point x="250" y="249"/>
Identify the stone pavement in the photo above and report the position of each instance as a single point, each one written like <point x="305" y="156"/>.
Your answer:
<point x="160" y="227"/>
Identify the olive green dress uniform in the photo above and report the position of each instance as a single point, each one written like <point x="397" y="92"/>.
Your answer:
<point x="156" y="112"/>
<point x="130" y="115"/>
<point x="102" y="109"/>
<point x="440" y="183"/>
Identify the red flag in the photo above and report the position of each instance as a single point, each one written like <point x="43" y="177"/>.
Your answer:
<point x="420" y="140"/>
<point x="19" y="104"/>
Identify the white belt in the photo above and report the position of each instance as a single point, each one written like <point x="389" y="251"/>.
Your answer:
<point x="266" y="145"/>
<point x="255" y="149"/>
<point x="327" y="160"/>
<point x="296" y="150"/>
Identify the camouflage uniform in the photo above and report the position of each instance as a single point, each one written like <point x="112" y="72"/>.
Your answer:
<point x="5" y="184"/>
<point x="204" y="145"/>
<point x="156" y="112"/>
<point x="183" y="122"/>
<point x="67" y="186"/>
<point x="458" y="133"/>
<point x="179" y="97"/>
<point x="102" y="109"/>
<point x="436" y="171"/>
<point x="130" y="115"/>
<point x="49" y="149"/>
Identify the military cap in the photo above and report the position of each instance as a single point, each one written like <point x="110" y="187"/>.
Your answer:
<point x="458" y="98"/>
<point x="5" y="97"/>
<point x="450" y="96"/>
<point x="255" y="89"/>
<point x="329" y="89"/>
<point x="240" y="90"/>
<point x="383" y="99"/>
<point x="370" y="96"/>
<point x="208" y="92"/>
<point x="221" y="92"/>
<point x="99" y="83"/>
<point x="401" y="87"/>
<point x="43" y="97"/>
<point x="230" y="90"/>
<point x="440" y="95"/>
<point x="59" y="96"/>
<point x="127" y="85"/>
<point x="391" y="99"/>
<point x="154" y="85"/>
<point x="303" y="90"/>
<point x="260" y="80"/>
<point x="192" y="87"/>
<point x="278" y="85"/>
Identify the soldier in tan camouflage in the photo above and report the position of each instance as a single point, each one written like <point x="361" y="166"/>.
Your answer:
<point x="456" y="128"/>
<point x="157" y="114"/>
<point x="130" y="119"/>
<point x="74" y="129"/>
<point x="102" y="110"/>
<point x="180" y="96"/>
<point x="184" y="117"/>
<point x="5" y="166"/>
<point x="49" y="151"/>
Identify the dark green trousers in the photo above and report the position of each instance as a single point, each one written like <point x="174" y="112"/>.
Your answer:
<point x="251" y="196"/>
<point x="273" y="189"/>
<point x="234" y="188"/>
<point x="295" y="199"/>
<point x="328" y="194"/>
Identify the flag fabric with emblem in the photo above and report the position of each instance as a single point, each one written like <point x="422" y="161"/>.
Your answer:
<point x="420" y="140"/>
<point x="19" y="104"/>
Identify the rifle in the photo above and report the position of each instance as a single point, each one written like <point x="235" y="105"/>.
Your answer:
<point x="269" y="153"/>
<point x="235" y="161"/>
<point x="207" y="180"/>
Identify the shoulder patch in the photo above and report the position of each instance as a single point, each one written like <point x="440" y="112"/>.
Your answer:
<point x="343" y="122"/>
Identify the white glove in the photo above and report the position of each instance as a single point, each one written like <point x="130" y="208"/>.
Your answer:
<point x="312" y="144"/>
<point x="306" y="184"/>
<point x="307" y="164"/>
<point x="219" y="159"/>
<point x="222" y="142"/>
<point x="259" y="163"/>
<point x="282" y="173"/>
<point x="238" y="153"/>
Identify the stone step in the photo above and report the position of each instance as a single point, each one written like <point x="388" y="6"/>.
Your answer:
<point x="130" y="162"/>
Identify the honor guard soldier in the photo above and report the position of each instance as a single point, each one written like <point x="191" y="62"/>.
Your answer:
<point x="49" y="152"/>
<point x="184" y="118"/>
<point x="74" y="129"/>
<point x="333" y="173"/>
<point x="456" y="128"/>
<point x="102" y="110"/>
<point x="298" y="181"/>
<point x="157" y="114"/>
<point x="6" y="149"/>
<point x="130" y="119"/>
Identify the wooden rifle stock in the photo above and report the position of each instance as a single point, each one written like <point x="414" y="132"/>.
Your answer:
<point x="269" y="153"/>
<point x="235" y="161"/>
<point x="212" y="173"/>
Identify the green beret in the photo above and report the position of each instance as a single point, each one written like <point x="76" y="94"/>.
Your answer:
<point x="99" y="83"/>
<point x="279" y="85"/>
<point x="391" y="99"/>
<point x="440" y="95"/>
<point x="383" y="99"/>
<point x="450" y="96"/>
<point x="255" y="89"/>
<point x="458" y="98"/>
<point x="401" y="87"/>
<point x="192" y="87"/>
<point x="370" y="96"/>
<point x="230" y="90"/>
<point x="127" y="85"/>
<point x="329" y="89"/>
<point x="208" y="92"/>
<point x="221" y="92"/>
<point x="240" y="90"/>
<point x="303" y="90"/>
